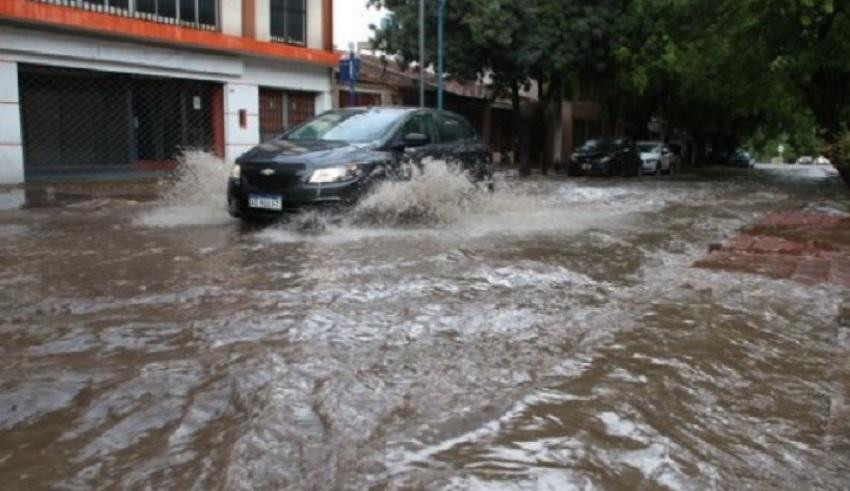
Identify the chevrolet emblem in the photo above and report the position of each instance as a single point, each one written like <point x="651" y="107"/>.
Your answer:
<point x="267" y="172"/>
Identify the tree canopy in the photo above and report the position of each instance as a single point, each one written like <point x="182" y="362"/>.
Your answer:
<point x="724" y="71"/>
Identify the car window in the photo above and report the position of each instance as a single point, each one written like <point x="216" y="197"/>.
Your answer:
<point x="600" y="145"/>
<point x="420" y="123"/>
<point x="649" y="148"/>
<point x="452" y="128"/>
<point x="347" y="125"/>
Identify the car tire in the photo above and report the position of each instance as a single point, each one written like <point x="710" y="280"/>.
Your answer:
<point x="233" y="208"/>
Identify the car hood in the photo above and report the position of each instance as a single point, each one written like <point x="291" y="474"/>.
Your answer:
<point x="316" y="153"/>
<point x="650" y="155"/>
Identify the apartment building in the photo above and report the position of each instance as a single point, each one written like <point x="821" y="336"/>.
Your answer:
<point x="93" y="88"/>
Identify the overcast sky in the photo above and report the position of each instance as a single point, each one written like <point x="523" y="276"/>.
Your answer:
<point x="351" y="21"/>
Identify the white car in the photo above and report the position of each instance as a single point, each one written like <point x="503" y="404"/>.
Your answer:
<point x="822" y="161"/>
<point x="656" y="158"/>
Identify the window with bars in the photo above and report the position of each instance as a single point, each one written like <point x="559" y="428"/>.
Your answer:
<point x="198" y="14"/>
<point x="281" y="110"/>
<point x="289" y="21"/>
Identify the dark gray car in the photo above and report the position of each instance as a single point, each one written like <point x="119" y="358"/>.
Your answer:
<point x="335" y="158"/>
<point x="609" y="156"/>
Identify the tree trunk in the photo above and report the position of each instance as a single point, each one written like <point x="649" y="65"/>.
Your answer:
<point x="519" y="151"/>
<point x="837" y="156"/>
<point x="843" y="171"/>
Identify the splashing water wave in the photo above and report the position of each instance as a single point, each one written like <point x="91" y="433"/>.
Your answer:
<point x="194" y="196"/>
<point x="437" y="193"/>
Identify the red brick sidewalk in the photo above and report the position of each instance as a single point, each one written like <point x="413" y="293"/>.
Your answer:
<point x="809" y="248"/>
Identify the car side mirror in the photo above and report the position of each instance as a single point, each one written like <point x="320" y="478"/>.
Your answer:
<point x="412" y="140"/>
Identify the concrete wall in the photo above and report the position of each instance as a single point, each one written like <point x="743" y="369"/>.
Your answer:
<point x="240" y="97"/>
<point x="240" y="76"/>
<point x="231" y="17"/>
<point x="263" y="19"/>
<point x="11" y="149"/>
<point x="315" y="39"/>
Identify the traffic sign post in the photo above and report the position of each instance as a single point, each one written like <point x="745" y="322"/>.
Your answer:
<point x="349" y="73"/>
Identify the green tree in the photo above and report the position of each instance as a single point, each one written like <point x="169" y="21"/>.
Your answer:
<point x="809" y="43"/>
<point x="484" y="39"/>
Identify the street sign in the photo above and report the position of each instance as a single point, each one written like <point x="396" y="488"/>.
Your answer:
<point x="349" y="71"/>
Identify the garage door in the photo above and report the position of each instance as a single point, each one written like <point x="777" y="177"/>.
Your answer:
<point x="81" y="123"/>
<point x="281" y="110"/>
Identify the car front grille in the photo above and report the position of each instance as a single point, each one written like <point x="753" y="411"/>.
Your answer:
<point x="284" y="176"/>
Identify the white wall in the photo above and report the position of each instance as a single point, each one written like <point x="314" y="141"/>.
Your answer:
<point x="263" y="20"/>
<point x="47" y="48"/>
<point x="315" y="39"/>
<point x="11" y="149"/>
<point x="238" y="140"/>
<point x="285" y="75"/>
<point x="240" y="76"/>
<point x="231" y="17"/>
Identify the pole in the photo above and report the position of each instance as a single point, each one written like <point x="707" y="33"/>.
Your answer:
<point x="441" y="17"/>
<point x="421" y="53"/>
<point x="352" y="82"/>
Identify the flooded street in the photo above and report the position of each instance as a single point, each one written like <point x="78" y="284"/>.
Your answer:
<point x="553" y="335"/>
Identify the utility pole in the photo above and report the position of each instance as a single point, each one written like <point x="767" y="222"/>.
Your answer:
<point x="441" y="17"/>
<point x="421" y="53"/>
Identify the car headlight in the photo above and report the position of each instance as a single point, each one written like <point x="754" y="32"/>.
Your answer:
<point x="236" y="172"/>
<point x="605" y="160"/>
<point x="341" y="173"/>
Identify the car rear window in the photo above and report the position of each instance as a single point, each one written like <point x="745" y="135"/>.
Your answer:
<point x="452" y="128"/>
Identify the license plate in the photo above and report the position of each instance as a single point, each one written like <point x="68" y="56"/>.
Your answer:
<point x="586" y="167"/>
<point x="265" y="202"/>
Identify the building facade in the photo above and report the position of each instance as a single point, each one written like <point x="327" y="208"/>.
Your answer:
<point x="99" y="87"/>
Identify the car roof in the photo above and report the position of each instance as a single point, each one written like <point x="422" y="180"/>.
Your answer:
<point x="400" y="109"/>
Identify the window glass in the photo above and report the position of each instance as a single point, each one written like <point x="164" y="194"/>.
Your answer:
<point x="146" y="6"/>
<point x="649" y="147"/>
<point x="206" y="12"/>
<point x="296" y="14"/>
<point x="453" y="129"/>
<point x="167" y="8"/>
<point x="421" y="123"/>
<point x="348" y="126"/>
<point x="187" y="10"/>
<point x="278" y="14"/>
<point x="288" y="20"/>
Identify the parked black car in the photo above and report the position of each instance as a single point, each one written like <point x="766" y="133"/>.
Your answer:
<point x="336" y="157"/>
<point x="742" y="158"/>
<point x="613" y="156"/>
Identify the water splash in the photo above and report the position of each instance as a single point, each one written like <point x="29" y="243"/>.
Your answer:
<point x="437" y="193"/>
<point x="195" y="195"/>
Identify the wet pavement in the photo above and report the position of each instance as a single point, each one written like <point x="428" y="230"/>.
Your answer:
<point x="553" y="335"/>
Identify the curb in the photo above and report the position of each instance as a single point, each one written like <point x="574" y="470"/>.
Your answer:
<point x="837" y="431"/>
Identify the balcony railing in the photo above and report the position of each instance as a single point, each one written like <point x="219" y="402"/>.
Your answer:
<point x="194" y="14"/>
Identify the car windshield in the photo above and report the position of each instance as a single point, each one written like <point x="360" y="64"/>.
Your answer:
<point x="602" y="145"/>
<point x="347" y="125"/>
<point x="649" y="147"/>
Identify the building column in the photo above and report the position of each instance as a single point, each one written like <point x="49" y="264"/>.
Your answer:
<point x="11" y="143"/>
<point x="241" y="119"/>
<point x="324" y="102"/>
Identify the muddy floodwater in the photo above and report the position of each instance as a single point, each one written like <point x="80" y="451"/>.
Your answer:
<point x="552" y="335"/>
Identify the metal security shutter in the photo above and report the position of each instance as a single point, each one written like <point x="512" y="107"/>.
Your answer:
<point x="88" y="122"/>
<point x="301" y="107"/>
